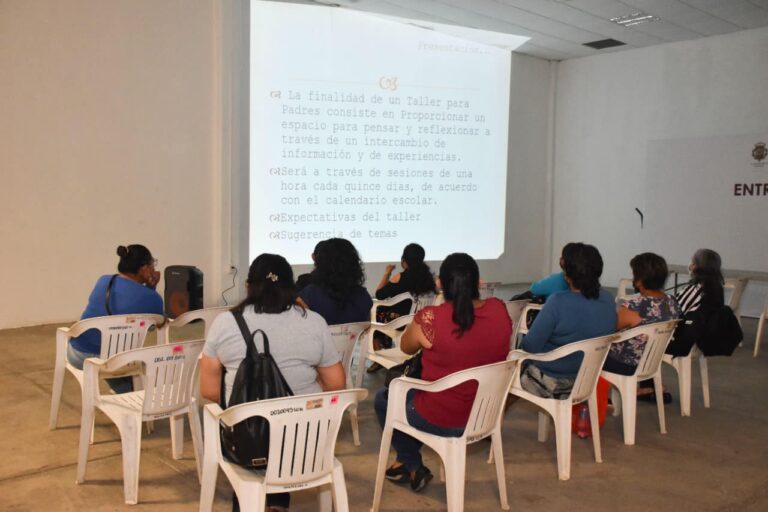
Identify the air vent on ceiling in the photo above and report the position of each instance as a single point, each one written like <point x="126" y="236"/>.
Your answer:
<point x="604" y="43"/>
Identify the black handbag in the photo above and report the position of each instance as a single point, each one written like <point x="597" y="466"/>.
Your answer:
<point x="258" y="378"/>
<point x="410" y="368"/>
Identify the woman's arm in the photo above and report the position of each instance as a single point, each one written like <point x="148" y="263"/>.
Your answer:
<point x="414" y="339"/>
<point x="332" y="378"/>
<point x="627" y="318"/>
<point x="210" y="378"/>
<point x="385" y="278"/>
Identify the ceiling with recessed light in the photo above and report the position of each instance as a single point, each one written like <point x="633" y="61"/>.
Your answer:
<point x="559" y="28"/>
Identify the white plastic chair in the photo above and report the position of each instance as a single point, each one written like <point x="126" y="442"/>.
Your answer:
<point x="118" y="334"/>
<point x="397" y="299"/>
<point x="493" y="381"/>
<point x="169" y="370"/>
<point x="487" y="290"/>
<point x="303" y="431"/>
<point x="515" y="311"/>
<point x="345" y="337"/>
<point x="658" y="336"/>
<point x="621" y="290"/>
<point x="595" y="350"/>
<point x="760" y="327"/>
<point x="682" y="366"/>
<point x="387" y="357"/>
<point x="737" y="287"/>
<point x="521" y="328"/>
<point x="424" y="300"/>
<point x="207" y="315"/>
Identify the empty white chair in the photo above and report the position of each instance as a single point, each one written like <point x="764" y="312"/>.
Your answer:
<point x="521" y="328"/>
<point x="303" y="431"/>
<point x="169" y="370"/>
<point x="345" y="337"/>
<point x="682" y="366"/>
<point x="207" y="315"/>
<point x="493" y="381"/>
<point x="387" y="357"/>
<point x="118" y="334"/>
<point x="736" y="287"/>
<point x="760" y="326"/>
<point x="658" y="336"/>
<point x="624" y="285"/>
<point x="595" y="351"/>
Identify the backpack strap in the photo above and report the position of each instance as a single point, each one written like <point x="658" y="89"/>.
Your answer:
<point x="108" y="295"/>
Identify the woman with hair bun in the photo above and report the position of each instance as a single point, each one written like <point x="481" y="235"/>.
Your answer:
<point x="131" y="291"/>
<point x="584" y="311"/>
<point x="464" y="332"/>
<point x="299" y="341"/>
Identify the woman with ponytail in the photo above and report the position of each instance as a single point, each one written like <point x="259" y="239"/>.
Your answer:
<point x="464" y="332"/>
<point x="130" y="291"/>
<point x="583" y="311"/>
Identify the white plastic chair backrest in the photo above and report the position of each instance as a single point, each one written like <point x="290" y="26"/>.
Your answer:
<point x="118" y="332"/>
<point x="168" y="371"/>
<point x="302" y="432"/>
<point x="657" y="337"/>
<point x="488" y="289"/>
<point x="736" y="286"/>
<point x="400" y="297"/>
<point x="621" y="290"/>
<point x="515" y="310"/>
<point x="595" y="351"/>
<point x="424" y="300"/>
<point x="207" y="315"/>
<point x="493" y="381"/>
<point x="522" y="325"/>
<point x="345" y="337"/>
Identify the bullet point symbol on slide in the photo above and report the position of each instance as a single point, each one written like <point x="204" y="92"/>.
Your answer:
<point x="274" y="94"/>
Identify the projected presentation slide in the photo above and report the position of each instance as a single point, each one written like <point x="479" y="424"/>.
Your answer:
<point x="374" y="130"/>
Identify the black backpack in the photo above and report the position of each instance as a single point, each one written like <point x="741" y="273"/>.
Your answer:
<point x="258" y="378"/>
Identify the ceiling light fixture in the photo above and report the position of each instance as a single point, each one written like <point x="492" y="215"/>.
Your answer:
<point x="634" y="19"/>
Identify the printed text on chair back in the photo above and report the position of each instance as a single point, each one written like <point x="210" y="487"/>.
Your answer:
<point x="169" y="372"/>
<point x="657" y="338"/>
<point x="595" y="350"/>
<point x="303" y="432"/>
<point x="129" y="334"/>
<point x="493" y="381"/>
<point x="344" y="338"/>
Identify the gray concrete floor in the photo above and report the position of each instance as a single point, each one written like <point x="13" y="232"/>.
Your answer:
<point x="715" y="460"/>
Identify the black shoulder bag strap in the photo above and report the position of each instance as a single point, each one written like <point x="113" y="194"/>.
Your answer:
<point x="250" y="349"/>
<point x="109" y="294"/>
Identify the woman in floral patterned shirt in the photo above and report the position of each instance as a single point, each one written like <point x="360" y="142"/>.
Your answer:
<point x="649" y="305"/>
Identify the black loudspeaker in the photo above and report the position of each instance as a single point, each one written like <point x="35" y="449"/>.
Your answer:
<point x="183" y="289"/>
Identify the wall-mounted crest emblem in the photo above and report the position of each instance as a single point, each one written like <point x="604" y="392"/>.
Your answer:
<point x="760" y="152"/>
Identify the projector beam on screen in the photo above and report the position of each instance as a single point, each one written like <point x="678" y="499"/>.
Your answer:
<point x="374" y="130"/>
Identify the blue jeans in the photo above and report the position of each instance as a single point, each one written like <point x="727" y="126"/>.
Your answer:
<point x="77" y="358"/>
<point x="409" y="448"/>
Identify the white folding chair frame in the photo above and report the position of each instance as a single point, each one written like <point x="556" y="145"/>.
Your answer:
<point x="484" y="420"/>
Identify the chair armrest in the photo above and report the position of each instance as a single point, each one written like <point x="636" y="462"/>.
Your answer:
<point x="91" y="368"/>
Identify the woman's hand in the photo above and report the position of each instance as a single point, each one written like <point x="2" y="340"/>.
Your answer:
<point x="389" y="269"/>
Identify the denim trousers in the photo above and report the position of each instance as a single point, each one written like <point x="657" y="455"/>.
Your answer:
<point x="408" y="448"/>
<point x="77" y="358"/>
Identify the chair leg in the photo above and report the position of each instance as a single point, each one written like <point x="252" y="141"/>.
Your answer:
<point x="616" y="401"/>
<point x="562" y="420"/>
<point x="355" y="426"/>
<point x="197" y="438"/>
<point x="252" y="498"/>
<point x="658" y="389"/>
<point x="455" y="471"/>
<point x="58" y="384"/>
<point x="683" y="366"/>
<point x="497" y="449"/>
<point x="177" y="436"/>
<point x="628" y="390"/>
<point x="759" y="336"/>
<point x="325" y="498"/>
<point x="86" y="422"/>
<point x="704" y="379"/>
<point x="386" y="441"/>
<point x="210" y="468"/>
<point x="543" y="427"/>
<point x="594" y="421"/>
<point x="130" y="438"/>
<point x="362" y="357"/>
<point x="340" y="499"/>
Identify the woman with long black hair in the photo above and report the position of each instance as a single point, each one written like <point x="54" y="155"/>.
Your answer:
<point x="464" y="332"/>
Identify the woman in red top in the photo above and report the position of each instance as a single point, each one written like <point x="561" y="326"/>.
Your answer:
<point x="462" y="333"/>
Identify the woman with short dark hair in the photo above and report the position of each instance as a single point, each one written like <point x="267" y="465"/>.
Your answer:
<point x="649" y="305"/>
<point x="130" y="291"/>
<point x="464" y="332"/>
<point x="584" y="311"/>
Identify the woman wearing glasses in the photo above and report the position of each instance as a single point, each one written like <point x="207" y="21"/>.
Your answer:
<point x="130" y="291"/>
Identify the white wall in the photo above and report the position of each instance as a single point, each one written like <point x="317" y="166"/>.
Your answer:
<point x="609" y="107"/>
<point x="107" y="137"/>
